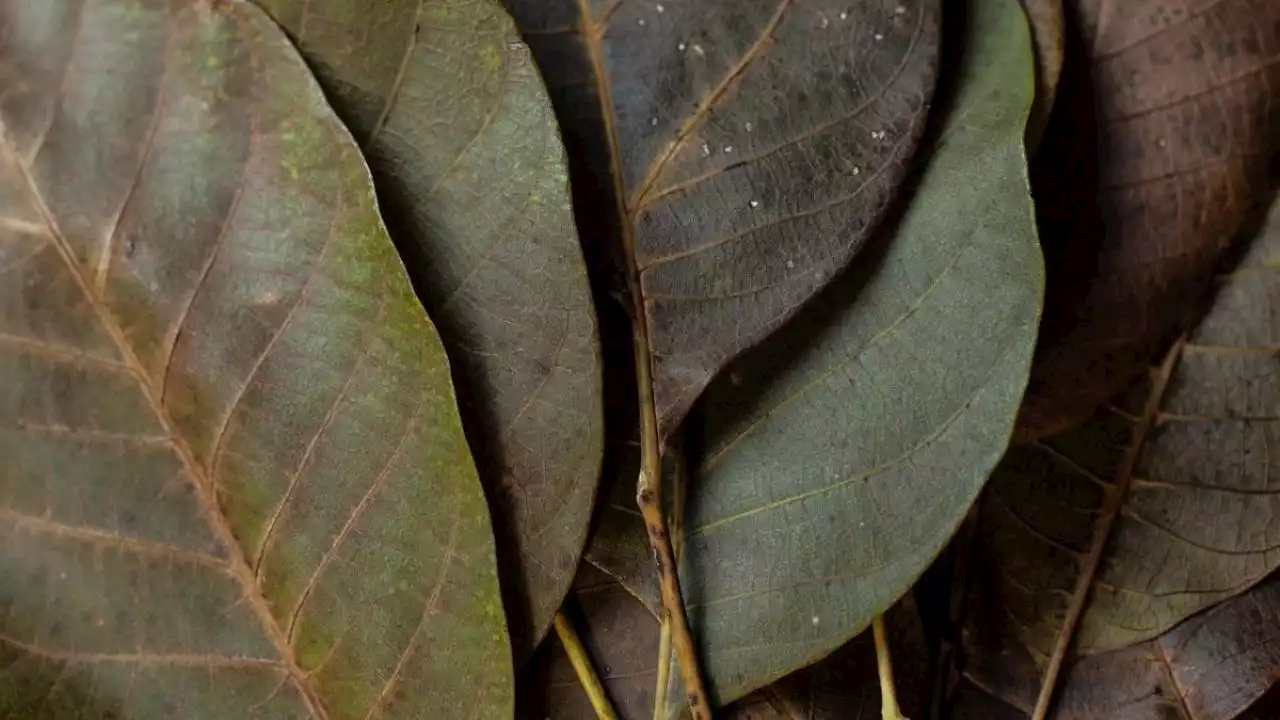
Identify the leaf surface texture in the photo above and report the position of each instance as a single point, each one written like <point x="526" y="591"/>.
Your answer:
<point x="235" y="482"/>
<point x="448" y="106"/>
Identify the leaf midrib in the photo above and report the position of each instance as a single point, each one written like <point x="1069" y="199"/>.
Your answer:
<point x="238" y="564"/>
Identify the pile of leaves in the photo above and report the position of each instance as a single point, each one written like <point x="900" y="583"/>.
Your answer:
<point x="347" y="348"/>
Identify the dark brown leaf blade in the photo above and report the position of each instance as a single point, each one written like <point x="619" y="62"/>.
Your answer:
<point x="452" y="115"/>
<point x="1191" y="522"/>
<point x="621" y="636"/>
<point x="1162" y="132"/>
<point x="1214" y="666"/>
<point x="234" y="481"/>
<point x="743" y="149"/>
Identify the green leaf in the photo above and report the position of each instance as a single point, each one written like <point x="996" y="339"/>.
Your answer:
<point x="840" y="456"/>
<point x="738" y="154"/>
<point x="1163" y="131"/>
<point x="1158" y="508"/>
<point x="452" y="115"/>
<point x="234" y="482"/>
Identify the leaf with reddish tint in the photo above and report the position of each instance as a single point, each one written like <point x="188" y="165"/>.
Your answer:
<point x="1163" y="128"/>
<point x="449" y="109"/>
<point x="234" y="482"/>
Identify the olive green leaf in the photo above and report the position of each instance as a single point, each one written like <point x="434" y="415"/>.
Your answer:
<point x="839" y="457"/>
<point x="738" y="154"/>
<point x="1159" y="507"/>
<point x="234" y="480"/>
<point x="449" y="109"/>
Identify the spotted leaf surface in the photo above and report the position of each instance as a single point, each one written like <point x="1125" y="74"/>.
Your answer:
<point x="736" y="153"/>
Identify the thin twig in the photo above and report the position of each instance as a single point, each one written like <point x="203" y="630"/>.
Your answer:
<point x="884" y="664"/>
<point x="664" y="672"/>
<point x="585" y="670"/>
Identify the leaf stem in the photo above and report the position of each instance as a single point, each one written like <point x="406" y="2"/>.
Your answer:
<point x="1111" y="509"/>
<point x="586" y="672"/>
<point x="664" y="672"/>
<point x="884" y="665"/>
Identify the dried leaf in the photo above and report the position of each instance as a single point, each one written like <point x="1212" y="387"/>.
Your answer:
<point x="1180" y="470"/>
<point x="838" y="458"/>
<point x="452" y="115"/>
<point x="1046" y="30"/>
<point x="235" y="483"/>
<point x="620" y="634"/>
<point x="1164" y="125"/>
<point x="739" y="154"/>
<point x="1214" y="666"/>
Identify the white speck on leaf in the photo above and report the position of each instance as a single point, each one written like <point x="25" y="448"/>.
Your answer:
<point x="706" y="150"/>
<point x="728" y="148"/>
<point x="844" y="14"/>
<point x="791" y="263"/>
<point x="659" y="7"/>
<point x="815" y="621"/>
<point x="755" y="203"/>
<point x="748" y="126"/>
<point x="879" y="36"/>
<point x="900" y="10"/>
<point x="825" y="22"/>
<point x="697" y="50"/>
<point x="653" y="121"/>
<point x="641" y="21"/>
<point x="681" y="46"/>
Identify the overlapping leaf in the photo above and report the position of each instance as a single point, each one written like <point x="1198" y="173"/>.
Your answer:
<point x="621" y="637"/>
<point x="1163" y="129"/>
<point x="737" y="153"/>
<point x="234" y="481"/>
<point x="1169" y="488"/>
<point x="1214" y="666"/>
<point x="448" y="106"/>
<point x="1046" y="29"/>
<point x="838" y="457"/>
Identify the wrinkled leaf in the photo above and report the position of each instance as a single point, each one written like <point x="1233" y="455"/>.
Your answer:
<point x="1193" y="519"/>
<point x="1214" y="666"/>
<point x="234" y="483"/>
<point x="846" y="685"/>
<point x="1163" y="128"/>
<point x="1046" y="29"/>
<point x="839" y="457"/>
<point x="739" y="153"/>
<point x="621" y="636"/>
<point x="451" y="112"/>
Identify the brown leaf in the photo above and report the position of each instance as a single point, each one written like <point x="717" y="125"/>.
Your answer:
<point x="452" y="116"/>
<point x="1214" y="666"/>
<point x="1046" y="29"/>
<point x="233" y="479"/>
<point x="620" y="635"/>
<point x="1158" y="508"/>
<point x="1164" y="124"/>
<point x="735" y="155"/>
